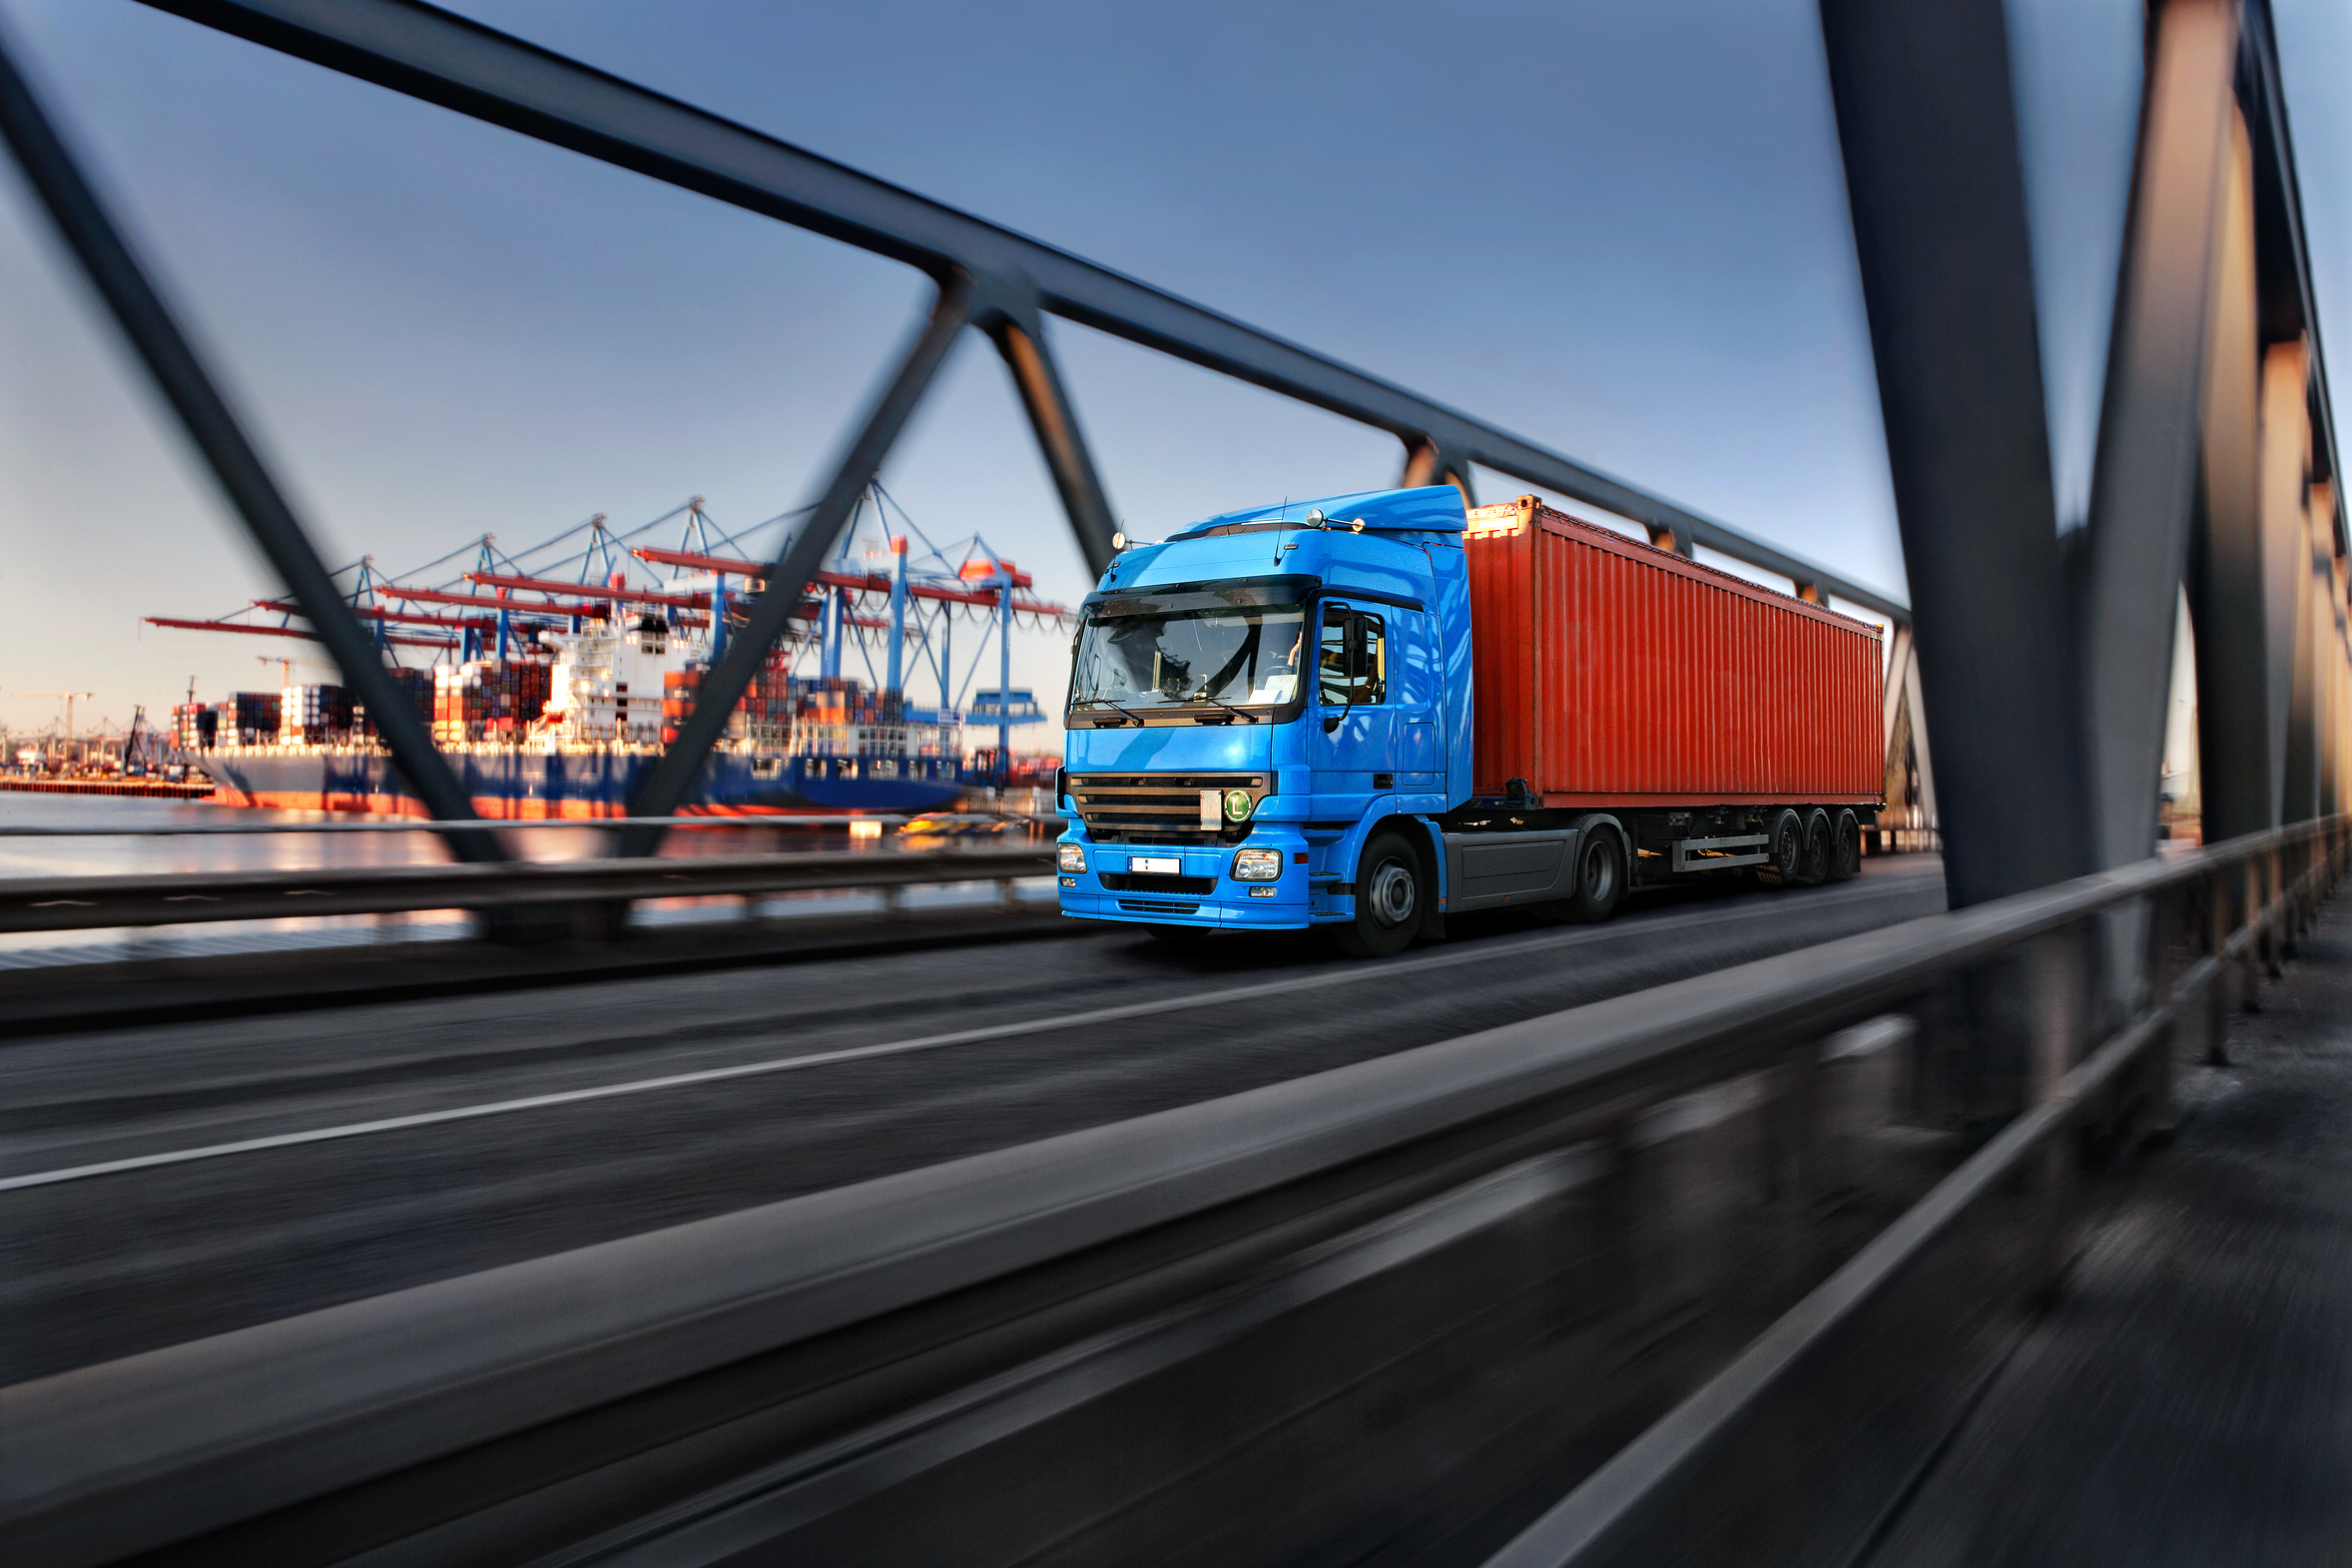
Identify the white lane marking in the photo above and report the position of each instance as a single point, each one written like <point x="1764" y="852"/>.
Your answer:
<point x="1338" y="976"/>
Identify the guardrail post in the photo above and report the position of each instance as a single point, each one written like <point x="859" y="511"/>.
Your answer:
<point x="2250" y="915"/>
<point x="2172" y="937"/>
<point x="2214" y="889"/>
<point x="2055" y="993"/>
<point x="2273" y="921"/>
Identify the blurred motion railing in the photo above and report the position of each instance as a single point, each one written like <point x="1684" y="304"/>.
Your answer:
<point x="71" y="903"/>
<point x="1656" y="1226"/>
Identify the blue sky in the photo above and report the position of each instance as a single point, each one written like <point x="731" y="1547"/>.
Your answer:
<point x="1619" y="231"/>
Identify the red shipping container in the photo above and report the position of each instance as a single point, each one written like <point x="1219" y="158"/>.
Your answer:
<point x="1610" y="673"/>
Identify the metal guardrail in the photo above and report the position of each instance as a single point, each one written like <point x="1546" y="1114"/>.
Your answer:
<point x="1602" y="1521"/>
<point x="71" y="903"/>
<point x="911" y="1287"/>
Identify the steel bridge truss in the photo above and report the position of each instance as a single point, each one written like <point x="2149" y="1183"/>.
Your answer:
<point x="990" y="280"/>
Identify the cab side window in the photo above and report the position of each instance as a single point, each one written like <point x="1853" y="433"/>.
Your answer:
<point x="1352" y="660"/>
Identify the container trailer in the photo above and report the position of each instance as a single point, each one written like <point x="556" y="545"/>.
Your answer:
<point x="1375" y="710"/>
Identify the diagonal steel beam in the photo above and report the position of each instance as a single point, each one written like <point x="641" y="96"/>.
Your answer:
<point x="154" y="336"/>
<point x="788" y="580"/>
<point x="448" y="60"/>
<point x="1020" y="337"/>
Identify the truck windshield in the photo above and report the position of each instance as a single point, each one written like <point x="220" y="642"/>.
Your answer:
<point x="1242" y="656"/>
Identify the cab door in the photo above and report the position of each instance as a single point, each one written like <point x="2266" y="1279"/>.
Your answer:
<point x="1354" y="740"/>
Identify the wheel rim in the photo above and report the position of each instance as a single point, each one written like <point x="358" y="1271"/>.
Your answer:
<point x="1391" y="895"/>
<point x="1787" y="849"/>
<point x="1600" y="872"/>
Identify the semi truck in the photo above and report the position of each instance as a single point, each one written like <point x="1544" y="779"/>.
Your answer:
<point x="1371" y="713"/>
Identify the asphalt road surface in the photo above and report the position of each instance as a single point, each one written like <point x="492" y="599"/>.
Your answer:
<point x="166" y="1183"/>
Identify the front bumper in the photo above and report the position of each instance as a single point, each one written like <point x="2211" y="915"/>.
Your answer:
<point x="1212" y="899"/>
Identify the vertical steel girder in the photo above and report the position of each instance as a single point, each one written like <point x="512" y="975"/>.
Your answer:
<point x="788" y="580"/>
<point x="1428" y="462"/>
<point x="1929" y="134"/>
<point x="2190" y="217"/>
<point x="2299" y="799"/>
<point x="2232" y="598"/>
<point x="2295" y="511"/>
<point x="2282" y="506"/>
<point x="124" y="285"/>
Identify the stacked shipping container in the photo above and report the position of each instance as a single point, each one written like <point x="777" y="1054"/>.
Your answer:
<point x="823" y="716"/>
<point x="194" y="726"/>
<point x="246" y="719"/>
<point x="312" y="715"/>
<point x="488" y="698"/>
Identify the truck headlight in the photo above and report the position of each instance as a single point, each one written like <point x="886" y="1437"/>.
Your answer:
<point x="1257" y="865"/>
<point x="1070" y="858"/>
<point x="1238" y="806"/>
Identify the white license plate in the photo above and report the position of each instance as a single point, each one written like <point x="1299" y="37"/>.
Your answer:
<point x="1155" y="864"/>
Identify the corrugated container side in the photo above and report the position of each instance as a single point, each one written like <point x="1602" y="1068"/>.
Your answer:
<point x="1607" y="671"/>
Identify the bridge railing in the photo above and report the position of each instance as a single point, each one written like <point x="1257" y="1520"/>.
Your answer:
<point x="73" y="903"/>
<point x="1518" y="1249"/>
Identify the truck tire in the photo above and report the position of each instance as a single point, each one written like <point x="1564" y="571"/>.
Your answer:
<point x="1845" y="846"/>
<point x="1601" y="878"/>
<point x="1390" y="890"/>
<point x="1813" y="864"/>
<point x="1784" y="849"/>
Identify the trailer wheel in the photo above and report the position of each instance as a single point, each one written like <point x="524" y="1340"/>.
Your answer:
<point x="1845" y="847"/>
<point x="1813" y="865"/>
<point x="1784" y="845"/>
<point x="1388" y="899"/>
<point x="1601" y="878"/>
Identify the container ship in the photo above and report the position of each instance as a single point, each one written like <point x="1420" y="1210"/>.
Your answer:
<point x="560" y="704"/>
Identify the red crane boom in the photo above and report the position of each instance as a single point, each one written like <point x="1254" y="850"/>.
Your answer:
<point x="542" y="584"/>
<point x="286" y="631"/>
<point x="872" y="582"/>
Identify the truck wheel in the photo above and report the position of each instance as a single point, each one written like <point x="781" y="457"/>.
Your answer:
<point x="1845" y="847"/>
<point x="1784" y="848"/>
<point x="1601" y="878"/>
<point x="1813" y="866"/>
<point x="1388" y="899"/>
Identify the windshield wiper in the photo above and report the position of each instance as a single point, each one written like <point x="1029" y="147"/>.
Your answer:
<point x="1104" y="701"/>
<point x="1204" y="697"/>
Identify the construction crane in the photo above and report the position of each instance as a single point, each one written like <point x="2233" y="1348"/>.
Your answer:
<point x="70" y="698"/>
<point x="286" y="666"/>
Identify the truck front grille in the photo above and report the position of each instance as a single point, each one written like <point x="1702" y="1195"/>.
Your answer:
<point x="1127" y="882"/>
<point x="1160" y="807"/>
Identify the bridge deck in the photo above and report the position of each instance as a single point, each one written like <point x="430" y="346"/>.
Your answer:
<point x="2189" y="1400"/>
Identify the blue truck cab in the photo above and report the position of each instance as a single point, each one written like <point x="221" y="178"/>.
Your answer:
<point x="1269" y="715"/>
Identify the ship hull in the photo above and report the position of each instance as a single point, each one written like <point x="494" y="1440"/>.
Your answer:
<point x="514" y="784"/>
